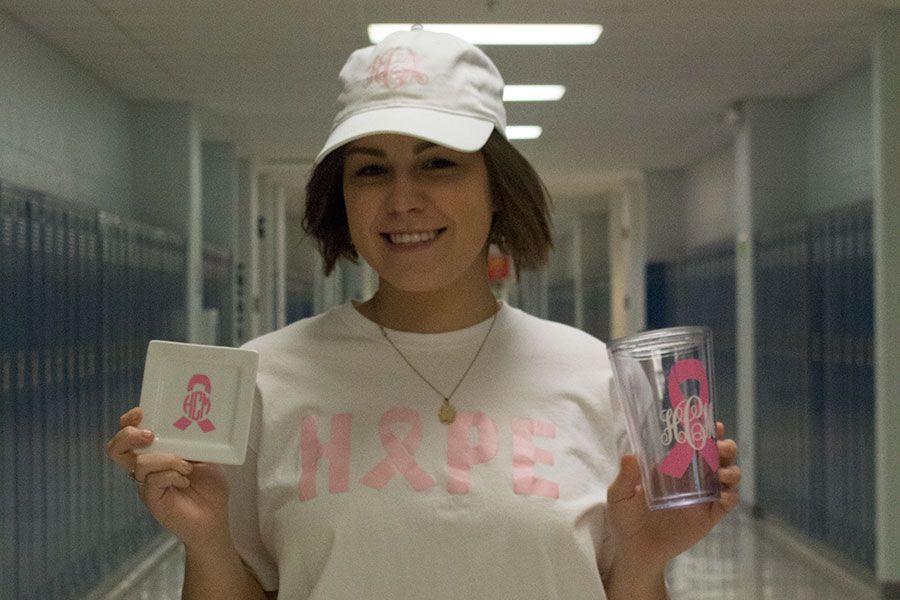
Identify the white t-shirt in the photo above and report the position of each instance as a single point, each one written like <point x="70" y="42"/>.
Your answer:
<point x="353" y="488"/>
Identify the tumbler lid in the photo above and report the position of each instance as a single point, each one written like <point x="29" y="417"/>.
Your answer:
<point x="669" y="339"/>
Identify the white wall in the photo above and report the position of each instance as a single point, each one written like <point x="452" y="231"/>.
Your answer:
<point x="692" y="207"/>
<point x="886" y="230"/>
<point x="777" y="147"/>
<point x="839" y="144"/>
<point x="819" y="157"/>
<point x="665" y="217"/>
<point x="220" y="183"/>
<point x="164" y="143"/>
<point x="595" y="244"/>
<point x="61" y="131"/>
<point x="301" y="254"/>
<point x="709" y="200"/>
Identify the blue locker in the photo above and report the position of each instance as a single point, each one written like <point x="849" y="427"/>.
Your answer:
<point x="770" y="495"/>
<point x="31" y="498"/>
<point x="834" y="450"/>
<point x="90" y="393"/>
<point x="84" y="294"/>
<point x="13" y="306"/>
<point x="841" y="387"/>
<point x="110" y="275"/>
<point x="816" y="385"/>
<point x="56" y="411"/>
<point x="130" y="329"/>
<point x="140" y="318"/>
<point x="862" y="376"/>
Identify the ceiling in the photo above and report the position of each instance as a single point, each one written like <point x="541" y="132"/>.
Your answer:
<point x="651" y="93"/>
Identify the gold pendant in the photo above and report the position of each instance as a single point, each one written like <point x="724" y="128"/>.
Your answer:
<point x="447" y="414"/>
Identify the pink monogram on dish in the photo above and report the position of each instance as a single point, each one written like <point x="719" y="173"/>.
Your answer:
<point x="197" y="404"/>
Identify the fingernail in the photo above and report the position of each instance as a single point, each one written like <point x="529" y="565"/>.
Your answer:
<point x="147" y="434"/>
<point x="187" y="467"/>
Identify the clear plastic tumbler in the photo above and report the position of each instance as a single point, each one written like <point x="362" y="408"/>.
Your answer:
<point x="665" y="383"/>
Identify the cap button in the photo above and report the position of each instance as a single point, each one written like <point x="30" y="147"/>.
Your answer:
<point x="416" y="27"/>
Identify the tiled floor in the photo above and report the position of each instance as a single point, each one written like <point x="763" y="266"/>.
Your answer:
<point x="742" y="559"/>
<point x="748" y="559"/>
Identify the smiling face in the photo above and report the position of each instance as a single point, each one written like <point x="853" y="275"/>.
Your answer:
<point x="418" y="213"/>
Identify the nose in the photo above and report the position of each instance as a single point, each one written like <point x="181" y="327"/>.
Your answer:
<point x="405" y="194"/>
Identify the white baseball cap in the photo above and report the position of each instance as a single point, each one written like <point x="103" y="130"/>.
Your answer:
<point x="425" y="84"/>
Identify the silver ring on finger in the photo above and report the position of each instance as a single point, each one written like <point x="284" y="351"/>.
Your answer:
<point x="135" y="479"/>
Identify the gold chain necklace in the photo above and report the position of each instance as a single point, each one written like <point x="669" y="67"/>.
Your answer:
<point x="447" y="412"/>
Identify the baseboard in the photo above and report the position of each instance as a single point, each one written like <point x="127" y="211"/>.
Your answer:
<point x="130" y="574"/>
<point x="816" y="551"/>
<point x="890" y="591"/>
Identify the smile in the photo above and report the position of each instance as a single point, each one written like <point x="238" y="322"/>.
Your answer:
<point x="412" y="237"/>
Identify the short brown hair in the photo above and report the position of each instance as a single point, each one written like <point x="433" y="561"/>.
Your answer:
<point x="520" y="228"/>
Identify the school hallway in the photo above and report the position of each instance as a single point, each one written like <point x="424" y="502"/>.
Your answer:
<point x="725" y="164"/>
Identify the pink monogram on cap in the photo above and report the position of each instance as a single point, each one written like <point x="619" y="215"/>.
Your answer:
<point x="395" y="67"/>
<point x="424" y="84"/>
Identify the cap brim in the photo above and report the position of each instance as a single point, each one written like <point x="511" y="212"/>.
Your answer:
<point x="460" y="132"/>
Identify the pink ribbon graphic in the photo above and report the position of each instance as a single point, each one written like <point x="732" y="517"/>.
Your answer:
<point x="692" y="413"/>
<point x="400" y="454"/>
<point x="197" y="404"/>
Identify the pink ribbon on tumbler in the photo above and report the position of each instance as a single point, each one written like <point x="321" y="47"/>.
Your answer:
<point x="678" y="459"/>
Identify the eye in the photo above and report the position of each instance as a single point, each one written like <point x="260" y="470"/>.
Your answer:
<point x="369" y="170"/>
<point x="438" y="163"/>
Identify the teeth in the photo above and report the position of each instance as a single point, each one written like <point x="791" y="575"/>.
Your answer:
<point x="412" y="238"/>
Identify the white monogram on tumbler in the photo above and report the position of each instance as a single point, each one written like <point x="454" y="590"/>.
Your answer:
<point x="696" y="422"/>
<point x="690" y="422"/>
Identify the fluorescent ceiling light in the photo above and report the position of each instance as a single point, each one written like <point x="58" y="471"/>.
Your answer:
<point x="532" y="93"/>
<point x="507" y="34"/>
<point x="523" y="132"/>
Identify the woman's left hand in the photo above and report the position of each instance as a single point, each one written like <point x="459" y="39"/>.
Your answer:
<point x="653" y="537"/>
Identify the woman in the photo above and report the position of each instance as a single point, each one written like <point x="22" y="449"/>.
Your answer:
<point x="429" y="441"/>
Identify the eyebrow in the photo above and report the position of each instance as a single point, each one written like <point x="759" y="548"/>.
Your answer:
<point x="417" y="149"/>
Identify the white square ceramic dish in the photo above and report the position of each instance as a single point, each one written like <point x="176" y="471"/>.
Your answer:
<point x="198" y="400"/>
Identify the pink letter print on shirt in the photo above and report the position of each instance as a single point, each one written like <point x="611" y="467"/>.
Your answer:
<point x="526" y="455"/>
<point x="461" y="455"/>
<point x="197" y="404"/>
<point x="336" y="452"/>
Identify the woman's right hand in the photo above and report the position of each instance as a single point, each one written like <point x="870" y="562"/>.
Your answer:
<point x="189" y="499"/>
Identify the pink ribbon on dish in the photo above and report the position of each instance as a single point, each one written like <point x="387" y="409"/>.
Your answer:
<point x="692" y="415"/>
<point x="197" y="404"/>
